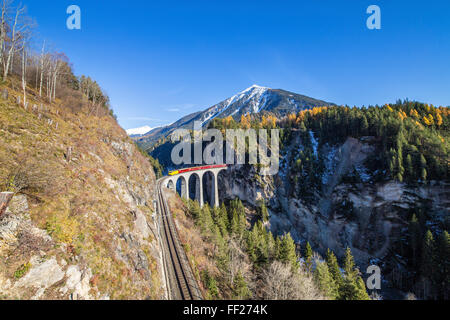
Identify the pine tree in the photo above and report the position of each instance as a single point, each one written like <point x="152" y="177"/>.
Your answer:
<point x="349" y="264"/>
<point x="264" y="213"/>
<point x="261" y="244"/>
<point x="423" y="174"/>
<point x="271" y="246"/>
<point x="308" y="257"/>
<point x="206" y="221"/>
<point x="242" y="223"/>
<point x="443" y="265"/>
<point x="361" y="292"/>
<point x="414" y="237"/>
<point x="325" y="281"/>
<point x="423" y="166"/>
<point x="409" y="166"/>
<point x="302" y="127"/>
<point x="286" y="250"/>
<point x="211" y="284"/>
<point x="251" y="244"/>
<point x="234" y="224"/>
<point x="333" y="267"/>
<point x="364" y="125"/>
<point x="221" y="219"/>
<point x="428" y="256"/>
<point x="195" y="210"/>
<point x="240" y="288"/>
<point x="353" y="287"/>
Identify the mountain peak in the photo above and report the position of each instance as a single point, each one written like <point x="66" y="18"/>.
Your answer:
<point x="255" y="86"/>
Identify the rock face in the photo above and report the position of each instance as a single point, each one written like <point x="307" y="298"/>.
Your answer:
<point x="84" y="230"/>
<point x="47" y="274"/>
<point x="369" y="217"/>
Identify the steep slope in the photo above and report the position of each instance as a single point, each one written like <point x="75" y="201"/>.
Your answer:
<point x="80" y="224"/>
<point x="255" y="99"/>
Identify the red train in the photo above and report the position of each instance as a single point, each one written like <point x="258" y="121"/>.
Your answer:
<point x="216" y="166"/>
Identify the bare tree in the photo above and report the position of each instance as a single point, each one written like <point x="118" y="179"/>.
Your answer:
<point x="282" y="282"/>
<point x="15" y="35"/>
<point x="41" y="69"/>
<point x="238" y="263"/>
<point x="3" y="27"/>
<point x="13" y="30"/>
<point x="24" y="72"/>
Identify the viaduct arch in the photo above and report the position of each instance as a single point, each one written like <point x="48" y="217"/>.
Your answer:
<point x="193" y="177"/>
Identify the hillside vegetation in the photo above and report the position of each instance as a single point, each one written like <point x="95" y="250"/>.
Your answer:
<point x="234" y="259"/>
<point x="88" y="188"/>
<point x="375" y="179"/>
<point x="79" y="225"/>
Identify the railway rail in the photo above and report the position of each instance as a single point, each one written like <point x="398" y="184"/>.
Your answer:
<point x="182" y="283"/>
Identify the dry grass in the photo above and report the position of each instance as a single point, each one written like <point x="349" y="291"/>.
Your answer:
<point x="200" y="252"/>
<point x="63" y="161"/>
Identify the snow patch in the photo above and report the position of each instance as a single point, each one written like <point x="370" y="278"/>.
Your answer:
<point x="139" y="131"/>
<point x="315" y="144"/>
<point x="255" y="97"/>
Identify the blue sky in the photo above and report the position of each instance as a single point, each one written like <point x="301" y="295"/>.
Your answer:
<point x="160" y="60"/>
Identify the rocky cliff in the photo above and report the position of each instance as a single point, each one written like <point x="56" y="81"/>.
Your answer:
<point x="80" y="224"/>
<point x="348" y="208"/>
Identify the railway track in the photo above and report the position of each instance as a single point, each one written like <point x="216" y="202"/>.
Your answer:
<point x="182" y="283"/>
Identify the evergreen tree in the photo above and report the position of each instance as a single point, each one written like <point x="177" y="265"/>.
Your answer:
<point x="264" y="213"/>
<point x="220" y="217"/>
<point x="261" y="244"/>
<point x="364" y="125"/>
<point x="428" y="256"/>
<point x="240" y="288"/>
<point x="308" y="257"/>
<point x="423" y="166"/>
<point x="333" y="267"/>
<point x="353" y="287"/>
<point x="325" y="281"/>
<point x="414" y="238"/>
<point x="443" y="265"/>
<point x="234" y="224"/>
<point x="409" y="166"/>
<point x="195" y="210"/>
<point x="349" y="264"/>
<point x="224" y="216"/>
<point x="206" y="220"/>
<point x="286" y="250"/>
<point x="271" y="246"/>
<point x="211" y="285"/>
<point x="361" y="292"/>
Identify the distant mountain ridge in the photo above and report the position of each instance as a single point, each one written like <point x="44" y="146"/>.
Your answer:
<point x="137" y="132"/>
<point x="252" y="100"/>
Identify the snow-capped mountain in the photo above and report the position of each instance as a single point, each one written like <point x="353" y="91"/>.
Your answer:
<point x="258" y="99"/>
<point x="138" y="131"/>
<point x="252" y="100"/>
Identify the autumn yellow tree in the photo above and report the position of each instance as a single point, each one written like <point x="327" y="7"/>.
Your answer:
<point x="245" y="121"/>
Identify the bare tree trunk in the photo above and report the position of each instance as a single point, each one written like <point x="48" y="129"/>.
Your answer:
<point x="13" y="43"/>
<point x="42" y="69"/>
<point x="24" y="74"/>
<point x="11" y="65"/>
<point x="55" y="76"/>
<point x="48" y="84"/>
<point x="3" y="23"/>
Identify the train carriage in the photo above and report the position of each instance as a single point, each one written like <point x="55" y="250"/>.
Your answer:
<point x="176" y="172"/>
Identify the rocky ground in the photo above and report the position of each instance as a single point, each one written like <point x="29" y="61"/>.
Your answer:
<point x="80" y="224"/>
